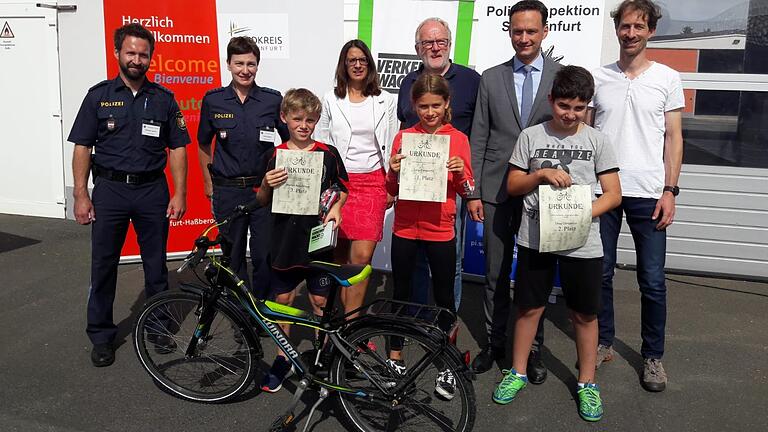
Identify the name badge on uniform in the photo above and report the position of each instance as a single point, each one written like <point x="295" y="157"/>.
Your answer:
<point x="111" y="124"/>
<point x="267" y="135"/>
<point x="150" y="130"/>
<point x="222" y="134"/>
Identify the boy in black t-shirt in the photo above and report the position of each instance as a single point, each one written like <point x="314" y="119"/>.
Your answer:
<point x="300" y="110"/>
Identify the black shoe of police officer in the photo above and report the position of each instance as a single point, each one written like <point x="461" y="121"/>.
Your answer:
<point x="164" y="344"/>
<point x="485" y="358"/>
<point x="102" y="355"/>
<point x="536" y="371"/>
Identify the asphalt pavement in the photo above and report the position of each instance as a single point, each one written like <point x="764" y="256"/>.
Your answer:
<point x="716" y="357"/>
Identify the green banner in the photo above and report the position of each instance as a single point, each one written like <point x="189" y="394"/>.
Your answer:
<point x="463" y="32"/>
<point x="365" y="21"/>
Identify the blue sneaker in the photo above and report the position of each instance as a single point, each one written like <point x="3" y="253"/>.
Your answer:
<point x="280" y="370"/>
<point x="508" y="387"/>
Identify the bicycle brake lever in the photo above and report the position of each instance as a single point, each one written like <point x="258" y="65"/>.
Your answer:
<point x="185" y="264"/>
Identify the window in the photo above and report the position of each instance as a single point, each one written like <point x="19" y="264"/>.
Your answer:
<point x="721" y="50"/>
<point x="726" y="128"/>
<point x="713" y="36"/>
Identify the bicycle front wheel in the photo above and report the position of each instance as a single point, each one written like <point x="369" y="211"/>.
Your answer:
<point x="421" y="408"/>
<point x="222" y="363"/>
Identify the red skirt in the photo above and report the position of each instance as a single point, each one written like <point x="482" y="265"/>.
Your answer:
<point x="362" y="217"/>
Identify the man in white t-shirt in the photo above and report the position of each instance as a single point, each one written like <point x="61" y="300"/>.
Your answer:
<point x="638" y="104"/>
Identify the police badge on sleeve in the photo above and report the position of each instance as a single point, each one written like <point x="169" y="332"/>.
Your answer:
<point x="180" y="122"/>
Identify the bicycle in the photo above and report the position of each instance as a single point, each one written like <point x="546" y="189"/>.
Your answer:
<point x="201" y="344"/>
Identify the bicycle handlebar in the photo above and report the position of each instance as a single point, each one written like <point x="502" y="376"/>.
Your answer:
<point x="203" y="243"/>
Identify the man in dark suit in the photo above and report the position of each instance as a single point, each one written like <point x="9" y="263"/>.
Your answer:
<point x="512" y="97"/>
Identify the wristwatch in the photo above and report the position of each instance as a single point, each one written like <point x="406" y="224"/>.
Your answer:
<point x="674" y="189"/>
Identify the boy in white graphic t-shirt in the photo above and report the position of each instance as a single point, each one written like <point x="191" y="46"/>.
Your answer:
<point x="561" y="152"/>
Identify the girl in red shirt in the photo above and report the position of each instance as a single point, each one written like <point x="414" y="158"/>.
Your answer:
<point x="428" y="224"/>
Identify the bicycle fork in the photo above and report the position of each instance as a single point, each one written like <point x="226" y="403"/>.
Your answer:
<point x="206" y="311"/>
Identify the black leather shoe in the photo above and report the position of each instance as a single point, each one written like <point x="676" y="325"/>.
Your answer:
<point x="102" y="355"/>
<point x="483" y="362"/>
<point x="536" y="371"/>
<point x="164" y="344"/>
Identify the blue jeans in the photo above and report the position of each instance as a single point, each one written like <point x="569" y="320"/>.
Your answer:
<point x="421" y="282"/>
<point x="650" y="249"/>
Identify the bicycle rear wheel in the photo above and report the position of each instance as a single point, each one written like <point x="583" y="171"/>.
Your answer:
<point x="222" y="364"/>
<point x="420" y="409"/>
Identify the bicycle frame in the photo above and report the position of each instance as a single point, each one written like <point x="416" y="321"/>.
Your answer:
<point x="269" y="315"/>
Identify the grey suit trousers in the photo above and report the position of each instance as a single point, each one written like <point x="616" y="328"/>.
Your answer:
<point x="501" y="223"/>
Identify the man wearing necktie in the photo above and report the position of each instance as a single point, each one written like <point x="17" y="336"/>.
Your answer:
<point x="512" y="97"/>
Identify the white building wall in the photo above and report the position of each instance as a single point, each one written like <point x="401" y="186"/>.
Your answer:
<point x="722" y="220"/>
<point x="80" y="32"/>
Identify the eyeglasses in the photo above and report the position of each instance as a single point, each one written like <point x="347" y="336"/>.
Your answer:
<point x="441" y="43"/>
<point x="362" y="60"/>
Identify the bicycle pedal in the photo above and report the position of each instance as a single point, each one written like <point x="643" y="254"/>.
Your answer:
<point x="282" y="423"/>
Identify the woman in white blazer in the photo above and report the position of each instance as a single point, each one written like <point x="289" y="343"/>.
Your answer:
<point x="360" y="120"/>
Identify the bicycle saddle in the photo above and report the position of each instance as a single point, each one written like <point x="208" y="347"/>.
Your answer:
<point x="345" y="274"/>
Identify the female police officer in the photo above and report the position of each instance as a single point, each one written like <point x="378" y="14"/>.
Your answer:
<point x="243" y="118"/>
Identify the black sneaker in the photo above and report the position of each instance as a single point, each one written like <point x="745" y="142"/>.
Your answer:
<point x="399" y="367"/>
<point x="102" y="355"/>
<point x="445" y="384"/>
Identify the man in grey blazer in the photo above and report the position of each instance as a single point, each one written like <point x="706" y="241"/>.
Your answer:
<point x="512" y="97"/>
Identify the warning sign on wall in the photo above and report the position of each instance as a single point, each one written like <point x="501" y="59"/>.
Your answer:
<point x="6" y="33"/>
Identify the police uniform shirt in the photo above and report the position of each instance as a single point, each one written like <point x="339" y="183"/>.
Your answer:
<point x="130" y="133"/>
<point x="244" y="132"/>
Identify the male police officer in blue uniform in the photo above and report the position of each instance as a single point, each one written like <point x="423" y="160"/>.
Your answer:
<point x="244" y="118"/>
<point x="130" y="122"/>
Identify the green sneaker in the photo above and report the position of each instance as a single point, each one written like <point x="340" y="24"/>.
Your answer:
<point x="508" y="387"/>
<point x="590" y="404"/>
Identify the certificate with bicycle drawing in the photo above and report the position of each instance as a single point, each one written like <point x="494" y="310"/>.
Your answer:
<point x="565" y="216"/>
<point x="300" y="194"/>
<point x="423" y="171"/>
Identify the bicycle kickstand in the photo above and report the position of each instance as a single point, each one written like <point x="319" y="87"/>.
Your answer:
<point x="284" y="422"/>
<point x="323" y="393"/>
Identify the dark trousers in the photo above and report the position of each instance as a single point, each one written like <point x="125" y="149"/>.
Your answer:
<point x="500" y="226"/>
<point x="441" y="256"/>
<point x="117" y="204"/>
<point x="421" y="272"/>
<point x="650" y="250"/>
<point x="224" y="201"/>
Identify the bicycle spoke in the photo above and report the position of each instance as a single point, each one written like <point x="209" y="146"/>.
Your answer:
<point x="416" y="408"/>
<point x="219" y="368"/>
<point x="429" y="411"/>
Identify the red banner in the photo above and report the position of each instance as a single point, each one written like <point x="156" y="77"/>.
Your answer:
<point x="185" y="60"/>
